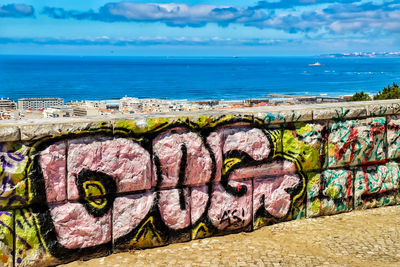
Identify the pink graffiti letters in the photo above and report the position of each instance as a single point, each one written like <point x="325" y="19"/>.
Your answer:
<point x="179" y="177"/>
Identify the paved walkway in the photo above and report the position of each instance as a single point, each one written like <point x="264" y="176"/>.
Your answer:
<point x="358" y="238"/>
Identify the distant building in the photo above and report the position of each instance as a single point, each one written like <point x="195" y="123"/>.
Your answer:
<point x="256" y="101"/>
<point x="7" y="104"/>
<point x="84" y="111"/>
<point x="39" y="103"/>
<point x="130" y="104"/>
<point x="9" y="114"/>
<point x="346" y="97"/>
<point x="35" y="114"/>
<point x="207" y="102"/>
<point x="95" y="104"/>
<point x="58" y="112"/>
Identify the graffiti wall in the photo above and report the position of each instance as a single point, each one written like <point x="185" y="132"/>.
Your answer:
<point x="133" y="184"/>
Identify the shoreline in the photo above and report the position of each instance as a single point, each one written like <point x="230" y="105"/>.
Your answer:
<point x="333" y="95"/>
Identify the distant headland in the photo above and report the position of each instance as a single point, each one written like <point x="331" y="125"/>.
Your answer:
<point x="364" y="54"/>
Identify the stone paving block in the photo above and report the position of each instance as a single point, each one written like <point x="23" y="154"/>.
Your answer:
<point x="339" y="113"/>
<point x="313" y="194"/>
<point x="137" y="221"/>
<point x="39" y="130"/>
<point x="278" y="199"/>
<point x="49" y="235"/>
<point x="101" y="165"/>
<point x="157" y="123"/>
<point x="132" y="224"/>
<point x="15" y="185"/>
<point x="396" y="108"/>
<point x="36" y="131"/>
<point x="29" y="250"/>
<point x="336" y="191"/>
<point x="376" y="110"/>
<point x="298" y="210"/>
<point x="180" y="158"/>
<point x="329" y="192"/>
<point x="6" y="237"/>
<point x="52" y="163"/>
<point x="92" y="215"/>
<point x="9" y="133"/>
<point x="140" y="125"/>
<point x="355" y="142"/>
<point x="393" y="137"/>
<point x="231" y="211"/>
<point x="286" y="117"/>
<point x="152" y="219"/>
<point x="376" y="186"/>
<point x="199" y="198"/>
<point x="243" y="151"/>
<point x="397" y="197"/>
<point x="306" y="143"/>
<point x="174" y="207"/>
<point x="85" y="126"/>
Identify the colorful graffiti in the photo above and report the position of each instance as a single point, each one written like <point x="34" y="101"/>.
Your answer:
<point x="355" y="142"/>
<point x="329" y="192"/>
<point x="377" y="185"/>
<point x="147" y="183"/>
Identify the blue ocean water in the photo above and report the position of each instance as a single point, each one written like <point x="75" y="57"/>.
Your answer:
<point x="96" y="78"/>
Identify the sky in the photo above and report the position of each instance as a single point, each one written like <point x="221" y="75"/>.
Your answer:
<point x="198" y="28"/>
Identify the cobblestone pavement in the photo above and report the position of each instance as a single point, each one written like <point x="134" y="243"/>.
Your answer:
<point x="358" y="238"/>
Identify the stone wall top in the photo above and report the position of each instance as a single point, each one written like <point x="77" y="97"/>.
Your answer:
<point x="13" y="130"/>
<point x="80" y="188"/>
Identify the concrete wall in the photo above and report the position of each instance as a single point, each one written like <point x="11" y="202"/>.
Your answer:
<point x="81" y="189"/>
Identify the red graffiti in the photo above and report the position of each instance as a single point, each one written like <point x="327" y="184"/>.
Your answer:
<point x="351" y="141"/>
<point x="374" y="130"/>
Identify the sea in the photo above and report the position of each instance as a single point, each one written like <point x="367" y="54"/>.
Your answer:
<point x="191" y="78"/>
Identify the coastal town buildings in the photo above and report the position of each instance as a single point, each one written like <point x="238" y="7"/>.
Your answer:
<point x="150" y="105"/>
<point x="84" y="111"/>
<point x="12" y="114"/>
<point x="90" y="108"/>
<point x="31" y="108"/>
<point x="7" y="104"/>
<point x="39" y="103"/>
<point x="58" y="112"/>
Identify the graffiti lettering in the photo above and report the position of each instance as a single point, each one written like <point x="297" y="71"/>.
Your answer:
<point x="195" y="177"/>
<point x="152" y="182"/>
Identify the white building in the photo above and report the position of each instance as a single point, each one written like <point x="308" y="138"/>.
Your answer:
<point x="130" y="104"/>
<point x="7" y="104"/>
<point x="85" y="111"/>
<point x="38" y="103"/>
<point x="58" y="112"/>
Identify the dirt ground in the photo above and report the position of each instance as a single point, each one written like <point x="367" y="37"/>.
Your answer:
<point x="358" y="238"/>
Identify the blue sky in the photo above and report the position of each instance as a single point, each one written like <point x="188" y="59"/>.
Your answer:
<point x="198" y="28"/>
